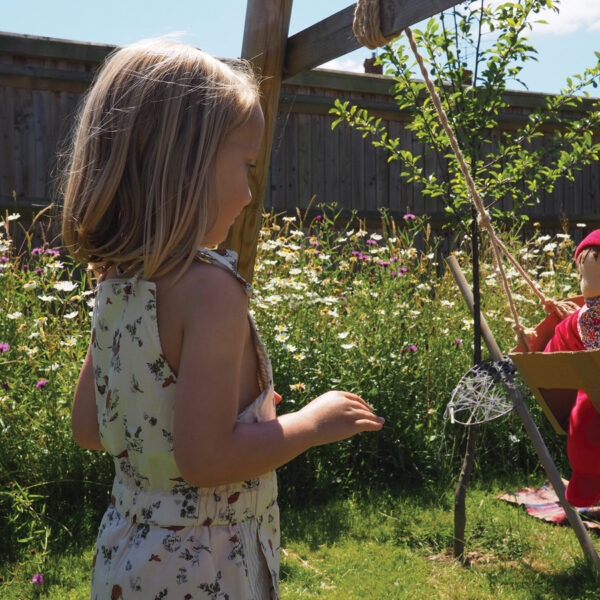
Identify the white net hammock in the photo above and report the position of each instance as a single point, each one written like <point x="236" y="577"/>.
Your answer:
<point x="485" y="392"/>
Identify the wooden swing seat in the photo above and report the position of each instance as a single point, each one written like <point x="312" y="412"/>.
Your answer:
<point x="555" y="377"/>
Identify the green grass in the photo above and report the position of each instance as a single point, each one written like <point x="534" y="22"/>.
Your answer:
<point x="397" y="547"/>
<point x="388" y="546"/>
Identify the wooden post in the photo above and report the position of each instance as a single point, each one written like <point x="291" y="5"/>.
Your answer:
<point x="265" y="40"/>
<point x="542" y="451"/>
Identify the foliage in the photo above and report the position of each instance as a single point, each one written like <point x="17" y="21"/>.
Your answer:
<point x="44" y="326"/>
<point x="473" y="52"/>
<point x="337" y="306"/>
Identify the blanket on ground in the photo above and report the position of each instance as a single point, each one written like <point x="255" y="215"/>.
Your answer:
<point x="542" y="503"/>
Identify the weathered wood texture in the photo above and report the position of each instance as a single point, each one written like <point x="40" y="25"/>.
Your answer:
<point x="265" y="38"/>
<point x="333" y="36"/>
<point x="37" y="111"/>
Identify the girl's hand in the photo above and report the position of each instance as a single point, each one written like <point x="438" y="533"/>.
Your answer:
<point x="337" y="415"/>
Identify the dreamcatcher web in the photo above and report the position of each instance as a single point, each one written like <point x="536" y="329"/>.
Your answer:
<point x="485" y="392"/>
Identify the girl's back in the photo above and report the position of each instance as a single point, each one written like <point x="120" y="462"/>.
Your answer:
<point x="156" y="517"/>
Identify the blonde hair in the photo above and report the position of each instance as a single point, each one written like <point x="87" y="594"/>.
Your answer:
<point x="138" y="182"/>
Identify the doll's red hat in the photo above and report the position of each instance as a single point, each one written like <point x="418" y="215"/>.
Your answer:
<point x="593" y="239"/>
<point x="583" y="448"/>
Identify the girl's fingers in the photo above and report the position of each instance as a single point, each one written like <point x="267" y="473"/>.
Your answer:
<point x="369" y="416"/>
<point x="356" y="398"/>
<point x="369" y="424"/>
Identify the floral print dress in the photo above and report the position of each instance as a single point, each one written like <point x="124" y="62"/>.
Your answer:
<point x="160" y="537"/>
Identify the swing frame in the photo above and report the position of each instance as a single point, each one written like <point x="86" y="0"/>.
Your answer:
<point x="274" y="58"/>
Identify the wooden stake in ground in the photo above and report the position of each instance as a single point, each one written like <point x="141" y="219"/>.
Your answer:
<point x="460" y="494"/>
<point x="552" y="473"/>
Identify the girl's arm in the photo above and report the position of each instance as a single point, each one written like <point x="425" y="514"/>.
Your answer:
<point x="84" y="420"/>
<point x="211" y="447"/>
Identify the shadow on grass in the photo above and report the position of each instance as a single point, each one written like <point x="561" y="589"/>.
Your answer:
<point x="400" y="516"/>
<point x="579" y="582"/>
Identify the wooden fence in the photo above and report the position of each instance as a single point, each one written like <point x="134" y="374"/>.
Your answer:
<point x="42" y="81"/>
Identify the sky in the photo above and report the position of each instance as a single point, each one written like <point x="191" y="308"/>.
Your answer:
<point x="566" y="44"/>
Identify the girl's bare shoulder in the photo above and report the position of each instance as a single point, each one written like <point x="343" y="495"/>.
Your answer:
<point x="205" y="299"/>
<point x="205" y="283"/>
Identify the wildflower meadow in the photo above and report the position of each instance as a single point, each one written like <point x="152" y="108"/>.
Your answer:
<point x="339" y="307"/>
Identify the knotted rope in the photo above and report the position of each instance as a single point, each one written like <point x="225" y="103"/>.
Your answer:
<point x="367" y="25"/>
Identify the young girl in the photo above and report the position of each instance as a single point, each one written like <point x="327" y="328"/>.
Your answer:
<point x="176" y="384"/>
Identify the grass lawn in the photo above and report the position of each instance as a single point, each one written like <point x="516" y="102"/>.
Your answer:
<point x="392" y="546"/>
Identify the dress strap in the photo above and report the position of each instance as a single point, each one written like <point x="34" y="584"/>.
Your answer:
<point x="226" y="259"/>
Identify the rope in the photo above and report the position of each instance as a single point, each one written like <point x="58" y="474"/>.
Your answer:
<point x="484" y="217"/>
<point x="367" y="29"/>
<point x="367" y="25"/>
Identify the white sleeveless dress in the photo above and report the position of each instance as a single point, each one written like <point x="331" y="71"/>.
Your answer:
<point x="160" y="538"/>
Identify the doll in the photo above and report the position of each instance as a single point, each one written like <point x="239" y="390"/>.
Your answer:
<point x="581" y="331"/>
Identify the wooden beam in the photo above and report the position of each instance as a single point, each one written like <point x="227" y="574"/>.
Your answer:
<point x="265" y="37"/>
<point x="47" y="47"/>
<point x="334" y="37"/>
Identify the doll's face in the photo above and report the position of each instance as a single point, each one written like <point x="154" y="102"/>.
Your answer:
<point x="589" y="271"/>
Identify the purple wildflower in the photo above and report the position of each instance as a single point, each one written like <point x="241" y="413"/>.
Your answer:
<point x="319" y="218"/>
<point x="343" y="298"/>
<point x="384" y="263"/>
<point x="458" y="342"/>
<point x="4" y="259"/>
<point x="37" y="251"/>
<point x="411" y="348"/>
<point x="25" y="267"/>
<point x="403" y="269"/>
<point x="6" y="385"/>
<point x="4" y="347"/>
<point x="38" y="271"/>
<point x="409" y="217"/>
<point x="314" y="243"/>
<point x="37" y="579"/>
<point x="51" y="252"/>
<point x="393" y="274"/>
<point x="41" y="383"/>
<point x="356" y="253"/>
<point x="372" y="242"/>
